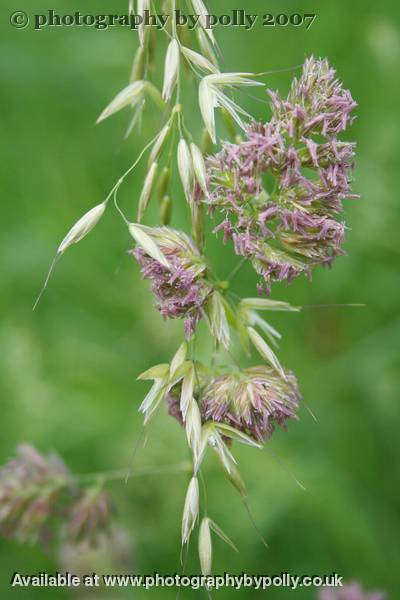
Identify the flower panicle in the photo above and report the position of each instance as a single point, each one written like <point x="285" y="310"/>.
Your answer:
<point x="38" y="493"/>
<point x="253" y="401"/>
<point x="295" y="226"/>
<point x="30" y="489"/>
<point x="249" y="401"/>
<point x="317" y="102"/>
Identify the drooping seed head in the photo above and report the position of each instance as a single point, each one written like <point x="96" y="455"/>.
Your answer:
<point x="159" y="143"/>
<point x="190" y="510"/>
<point x="198" y="60"/>
<point x="171" y="69"/>
<point x="82" y="227"/>
<point x="185" y="168"/>
<point x="199" y="167"/>
<point x="205" y="547"/>
<point x="146" y="191"/>
<point x="129" y="96"/>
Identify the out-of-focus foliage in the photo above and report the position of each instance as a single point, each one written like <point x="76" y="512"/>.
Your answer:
<point x="67" y="371"/>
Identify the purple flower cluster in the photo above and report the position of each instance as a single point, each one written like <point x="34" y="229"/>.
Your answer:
<point x="181" y="289"/>
<point x="352" y="591"/>
<point x="89" y="516"/>
<point x="293" y="226"/>
<point x="174" y="403"/>
<point x="30" y="490"/>
<point x="36" y="492"/>
<point x="252" y="401"/>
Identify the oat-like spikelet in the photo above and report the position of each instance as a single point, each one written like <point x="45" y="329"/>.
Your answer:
<point x="212" y="96"/>
<point x="171" y="69"/>
<point x="190" y="509"/>
<point x="185" y="168"/>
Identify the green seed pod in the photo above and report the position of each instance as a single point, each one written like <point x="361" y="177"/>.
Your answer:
<point x="163" y="183"/>
<point x="199" y="167"/>
<point x="190" y="510"/>
<point x="159" y="144"/>
<point x="146" y="191"/>
<point x="138" y="65"/>
<point x="205" y="547"/>
<point x="185" y="168"/>
<point x="165" y="210"/>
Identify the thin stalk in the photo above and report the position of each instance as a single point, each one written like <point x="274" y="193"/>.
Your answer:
<point x="120" y="474"/>
<point x="236" y="270"/>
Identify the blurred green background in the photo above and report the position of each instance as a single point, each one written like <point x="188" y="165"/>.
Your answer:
<point x="68" y="370"/>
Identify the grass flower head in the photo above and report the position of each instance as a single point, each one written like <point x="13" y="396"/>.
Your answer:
<point x="292" y="227"/>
